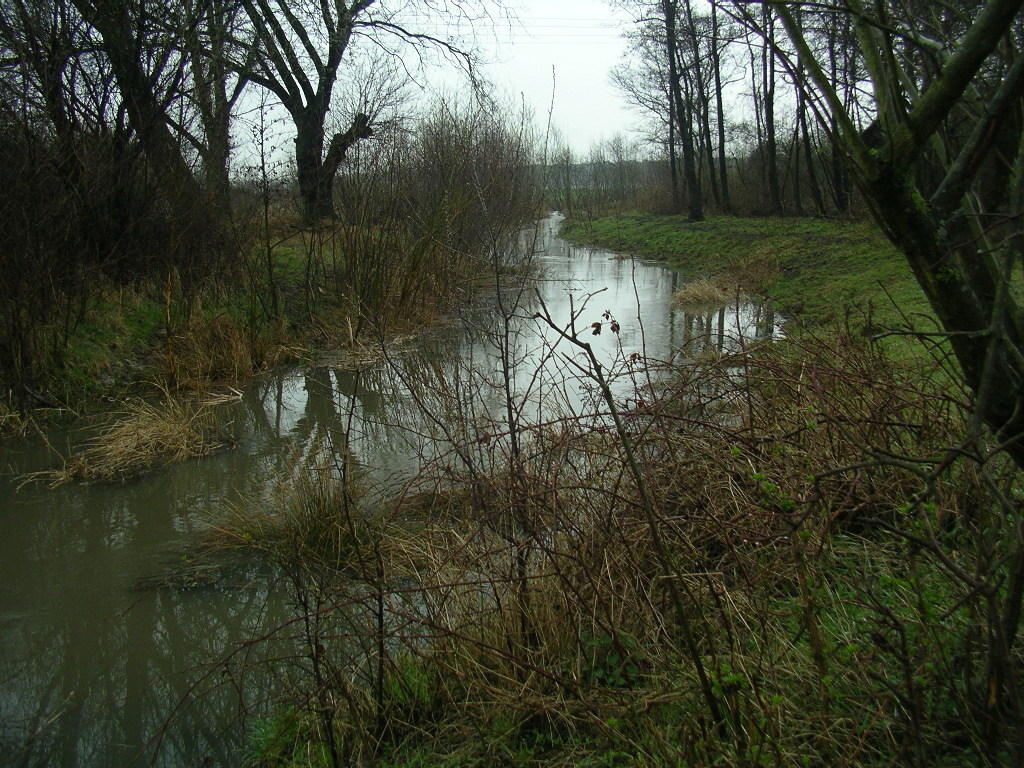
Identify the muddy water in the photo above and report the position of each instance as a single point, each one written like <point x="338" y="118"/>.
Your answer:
<point x="96" y="669"/>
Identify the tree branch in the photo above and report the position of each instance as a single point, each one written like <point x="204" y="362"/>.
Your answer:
<point x="851" y="139"/>
<point x="300" y="31"/>
<point x="959" y="177"/>
<point x="280" y="51"/>
<point x="975" y="46"/>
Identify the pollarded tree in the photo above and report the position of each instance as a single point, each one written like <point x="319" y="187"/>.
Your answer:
<point x="296" y="51"/>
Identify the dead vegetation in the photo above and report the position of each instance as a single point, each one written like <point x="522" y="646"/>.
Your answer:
<point x="12" y="422"/>
<point x="516" y="603"/>
<point x="703" y="292"/>
<point x="143" y="435"/>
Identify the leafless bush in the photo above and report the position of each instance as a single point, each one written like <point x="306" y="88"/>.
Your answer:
<point x="728" y="559"/>
<point x="84" y="216"/>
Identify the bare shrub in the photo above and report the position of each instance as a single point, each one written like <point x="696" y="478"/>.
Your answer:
<point x="520" y="590"/>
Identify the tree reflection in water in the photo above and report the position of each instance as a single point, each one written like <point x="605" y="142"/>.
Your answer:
<point x="97" y="672"/>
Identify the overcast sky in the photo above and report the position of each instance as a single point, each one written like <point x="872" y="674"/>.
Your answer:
<point x="519" y="49"/>
<point x="528" y="47"/>
<point x="580" y="41"/>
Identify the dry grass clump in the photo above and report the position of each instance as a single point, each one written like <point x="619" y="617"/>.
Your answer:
<point x="748" y="272"/>
<point x="142" y="436"/>
<point x="753" y="269"/>
<point x="310" y="519"/>
<point x="702" y="292"/>
<point x="220" y="349"/>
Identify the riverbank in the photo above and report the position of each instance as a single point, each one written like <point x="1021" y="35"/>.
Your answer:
<point x="816" y="271"/>
<point x="755" y="571"/>
<point x="749" y="566"/>
<point x="187" y="300"/>
<point x="340" y="289"/>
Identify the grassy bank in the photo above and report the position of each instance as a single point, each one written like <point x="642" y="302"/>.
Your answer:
<point x="816" y="270"/>
<point x="337" y="287"/>
<point x="285" y="305"/>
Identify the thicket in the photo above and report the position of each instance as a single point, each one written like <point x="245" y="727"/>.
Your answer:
<point x="784" y="556"/>
<point x="106" y="275"/>
<point x="81" y="218"/>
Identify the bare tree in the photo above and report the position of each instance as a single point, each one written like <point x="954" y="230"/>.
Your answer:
<point x="147" y="78"/>
<point x="208" y="40"/>
<point x="716" y="70"/>
<point x="296" y="53"/>
<point x="771" y="152"/>
<point x="683" y="107"/>
<point x="918" y="167"/>
<point x="643" y="79"/>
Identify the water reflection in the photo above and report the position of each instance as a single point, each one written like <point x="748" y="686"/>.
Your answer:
<point x="95" y="672"/>
<point x="92" y="668"/>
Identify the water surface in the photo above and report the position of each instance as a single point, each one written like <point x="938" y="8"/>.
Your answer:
<point x="97" y="671"/>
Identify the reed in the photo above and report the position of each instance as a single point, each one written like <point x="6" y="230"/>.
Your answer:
<point x="12" y="421"/>
<point x="306" y="521"/>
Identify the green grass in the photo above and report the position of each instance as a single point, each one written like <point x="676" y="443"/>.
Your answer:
<point x="817" y="271"/>
<point x="110" y="344"/>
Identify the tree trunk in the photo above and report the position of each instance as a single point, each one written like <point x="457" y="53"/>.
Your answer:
<point x="703" y="119"/>
<point x="314" y="168"/>
<point x="794" y="163"/>
<point x="210" y="78"/>
<point x="758" y="97"/>
<point x="840" y="180"/>
<point x="677" y="200"/>
<point x="684" y="115"/>
<point x="801" y="116"/>
<point x="768" y="89"/>
<point x="716" y="61"/>
<point x="963" y="301"/>
<point x="316" y="198"/>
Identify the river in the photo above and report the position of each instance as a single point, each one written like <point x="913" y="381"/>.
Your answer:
<point x="99" y="668"/>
